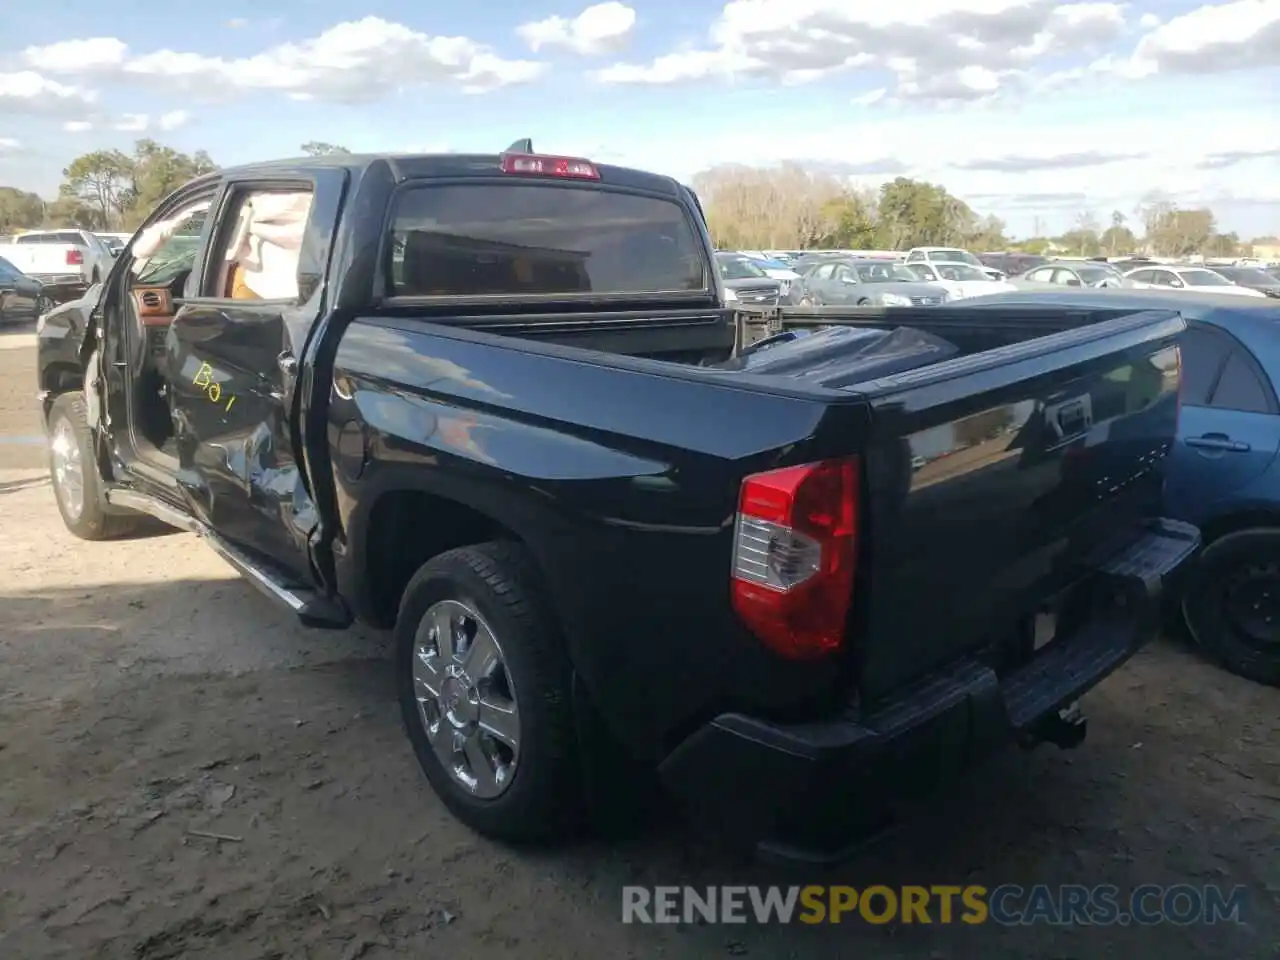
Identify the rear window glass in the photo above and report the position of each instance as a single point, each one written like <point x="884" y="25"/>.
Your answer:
<point x="469" y="240"/>
<point x="51" y="238"/>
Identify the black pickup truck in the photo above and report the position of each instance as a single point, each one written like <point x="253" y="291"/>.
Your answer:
<point x="497" y="404"/>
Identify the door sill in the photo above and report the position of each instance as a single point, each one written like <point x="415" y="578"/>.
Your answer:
<point x="155" y="466"/>
<point x="311" y="608"/>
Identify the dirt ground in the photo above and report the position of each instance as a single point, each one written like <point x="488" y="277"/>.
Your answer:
<point x="150" y="699"/>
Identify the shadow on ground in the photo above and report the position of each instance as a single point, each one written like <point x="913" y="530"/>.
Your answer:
<point x="184" y="772"/>
<point x="13" y="486"/>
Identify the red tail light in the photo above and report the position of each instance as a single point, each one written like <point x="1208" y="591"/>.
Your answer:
<point x="74" y="257"/>
<point x="535" y="165"/>
<point x="794" y="553"/>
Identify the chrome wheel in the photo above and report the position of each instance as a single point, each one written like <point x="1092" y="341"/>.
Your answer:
<point x="466" y="700"/>
<point x="43" y="306"/>
<point x="68" y="471"/>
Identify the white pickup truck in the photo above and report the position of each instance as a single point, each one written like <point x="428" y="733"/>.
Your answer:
<point x="59" y="258"/>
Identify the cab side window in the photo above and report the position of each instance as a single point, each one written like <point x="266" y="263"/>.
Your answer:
<point x="258" y="244"/>
<point x="166" y="250"/>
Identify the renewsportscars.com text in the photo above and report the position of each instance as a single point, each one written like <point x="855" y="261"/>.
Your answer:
<point x="1008" y="904"/>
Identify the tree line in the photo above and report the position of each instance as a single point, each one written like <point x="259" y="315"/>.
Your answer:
<point x="792" y="207"/>
<point x="786" y="207"/>
<point x="114" y="191"/>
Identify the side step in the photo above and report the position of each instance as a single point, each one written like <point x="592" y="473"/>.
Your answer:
<point x="312" y="609"/>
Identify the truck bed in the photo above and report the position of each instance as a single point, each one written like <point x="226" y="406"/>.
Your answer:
<point x="990" y="482"/>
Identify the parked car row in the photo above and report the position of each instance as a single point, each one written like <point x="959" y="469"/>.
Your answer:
<point x="1239" y="281"/>
<point x="926" y="276"/>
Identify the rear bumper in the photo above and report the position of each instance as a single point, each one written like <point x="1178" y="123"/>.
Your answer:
<point x="803" y="790"/>
<point x="61" y="289"/>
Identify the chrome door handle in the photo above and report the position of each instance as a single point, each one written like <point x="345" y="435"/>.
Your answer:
<point x="1218" y="441"/>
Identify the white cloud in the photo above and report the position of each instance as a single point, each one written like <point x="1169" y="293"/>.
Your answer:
<point x="352" y="62"/>
<point x="29" y="93"/>
<point x="173" y="120"/>
<point x="78" y="56"/>
<point x="1211" y="39"/>
<point x="944" y="50"/>
<point x="601" y="28"/>
<point x="9" y="145"/>
<point x="133" y="122"/>
<point x="77" y="126"/>
<point x="1036" y="165"/>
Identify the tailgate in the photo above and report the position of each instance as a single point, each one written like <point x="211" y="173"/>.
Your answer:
<point x="40" y="258"/>
<point x="995" y="480"/>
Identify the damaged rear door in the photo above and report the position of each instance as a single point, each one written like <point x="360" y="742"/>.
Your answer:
<point x="233" y="356"/>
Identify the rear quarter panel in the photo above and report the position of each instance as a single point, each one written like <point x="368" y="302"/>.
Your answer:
<point x="623" y="481"/>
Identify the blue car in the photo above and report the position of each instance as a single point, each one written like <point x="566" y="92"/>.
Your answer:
<point x="1224" y="474"/>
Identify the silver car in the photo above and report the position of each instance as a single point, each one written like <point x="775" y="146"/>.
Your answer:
<point x="833" y="281"/>
<point x="746" y="285"/>
<point x="1070" y="273"/>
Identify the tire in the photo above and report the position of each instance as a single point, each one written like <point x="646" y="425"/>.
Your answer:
<point x="1232" y="604"/>
<point x="864" y="302"/>
<point x="70" y="455"/>
<point x="43" y="305"/>
<point x="542" y="794"/>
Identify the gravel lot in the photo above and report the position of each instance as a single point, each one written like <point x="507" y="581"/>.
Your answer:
<point x="149" y="695"/>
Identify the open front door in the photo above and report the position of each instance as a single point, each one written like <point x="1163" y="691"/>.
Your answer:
<point x="233" y="355"/>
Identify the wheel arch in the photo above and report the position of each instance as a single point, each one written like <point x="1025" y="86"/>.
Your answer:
<point x="1259" y="516"/>
<point x="403" y="521"/>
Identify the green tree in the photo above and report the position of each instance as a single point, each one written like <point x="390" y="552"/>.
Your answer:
<point x="1178" y="233"/>
<point x="849" y="222"/>
<point x="318" y="148"/>
<point x="155" y="172"/>
<point x="1033" y="245"/>
<point x="109" y="189"/>
<point x="98" y="181"/>
<point x="19" y="210"/>
<point x="913" y="213"/>
<point x="1223" y="245"/>
<point x="988" y="234"/>
<point x="1172" y="231"/>
<point x="72" y="212"/>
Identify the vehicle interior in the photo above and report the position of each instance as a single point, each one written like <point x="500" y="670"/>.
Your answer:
<point x="259" y="261"/>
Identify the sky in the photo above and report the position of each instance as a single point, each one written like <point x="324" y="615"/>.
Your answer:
<point x="1036" y="111"/>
